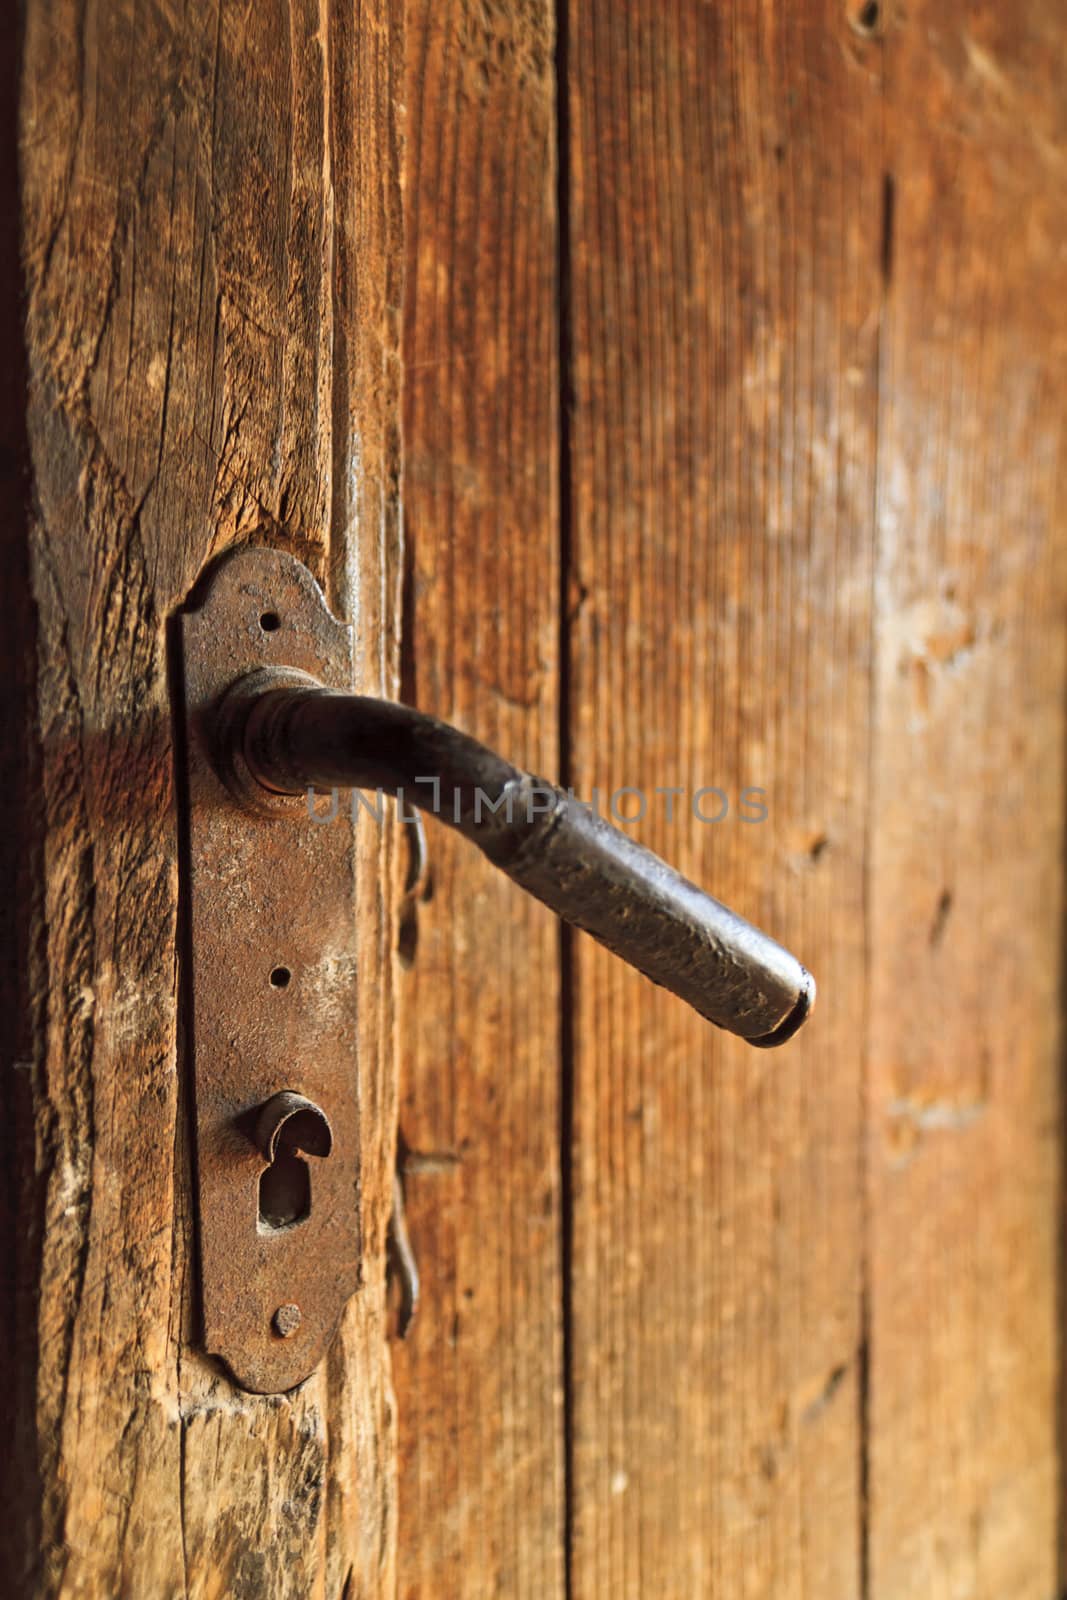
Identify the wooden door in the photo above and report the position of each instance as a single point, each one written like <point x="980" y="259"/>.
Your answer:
<point x="671" y="395"/>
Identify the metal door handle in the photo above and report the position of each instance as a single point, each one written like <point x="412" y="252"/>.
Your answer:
<point x="297" y="736"/>
<point x="274" y="965"/>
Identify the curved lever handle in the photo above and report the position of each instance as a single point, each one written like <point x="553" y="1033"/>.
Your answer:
<point x="588" y="872"/>
<point x="272" y="946"/>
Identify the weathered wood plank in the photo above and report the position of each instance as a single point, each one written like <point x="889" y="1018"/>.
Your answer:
<point x="813" y="539"/>
<point x="479" y="1377"/>
<point x="725" y="217"/>
<point x="209" y="361"/>
<point x="967" y="811"/>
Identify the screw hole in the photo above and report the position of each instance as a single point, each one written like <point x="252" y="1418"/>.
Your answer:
<point x="270" y="622"/>
<point x="280" y="977"/>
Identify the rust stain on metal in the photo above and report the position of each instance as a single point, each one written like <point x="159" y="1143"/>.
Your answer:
<point x="293" y="1120"/>
<point x="273" y="961"/>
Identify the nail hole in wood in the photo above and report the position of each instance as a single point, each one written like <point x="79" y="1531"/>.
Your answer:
<point x="866" y="18"/>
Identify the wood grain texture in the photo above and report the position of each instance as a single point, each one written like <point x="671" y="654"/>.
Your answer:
<point x="812" y="542"/>
<point x="967" y="811"/>
<point x="817" y="535"/>
<point x="725" y="218"/>
<point x="479" y="1378"/>
<point x="210" y="234"/>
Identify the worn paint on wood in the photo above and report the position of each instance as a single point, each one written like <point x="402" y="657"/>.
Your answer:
<point x="479" y="1378"/>
<point x="210" y="233"/>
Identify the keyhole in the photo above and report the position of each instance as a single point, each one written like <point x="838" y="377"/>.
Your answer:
<point x="285" y="1191"/>
<point x="288" y="1128"/>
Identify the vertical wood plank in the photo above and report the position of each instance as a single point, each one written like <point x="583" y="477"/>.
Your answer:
<point x="479" y="1376"/>
<point x="725" y="217"/>
<point x="967" y="811"/>
<point x="210" y="230"/>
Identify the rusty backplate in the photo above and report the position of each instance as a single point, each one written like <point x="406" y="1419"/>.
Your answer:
<point x="270" y="898"/>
